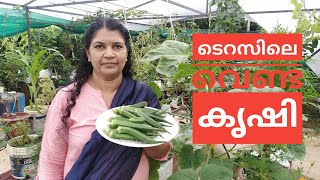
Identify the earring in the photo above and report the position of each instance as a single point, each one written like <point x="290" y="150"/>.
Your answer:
<point x="89" y="60"/>
<point x="126" y="59"/>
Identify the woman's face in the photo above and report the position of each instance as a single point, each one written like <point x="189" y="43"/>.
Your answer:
<point x="107" y="53"/>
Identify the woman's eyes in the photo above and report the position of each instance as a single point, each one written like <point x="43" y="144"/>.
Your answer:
<point x="98" y="46"/>
<point x="117" y="46"/>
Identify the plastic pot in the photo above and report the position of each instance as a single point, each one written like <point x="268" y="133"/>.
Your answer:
<point x="23" y="160"/>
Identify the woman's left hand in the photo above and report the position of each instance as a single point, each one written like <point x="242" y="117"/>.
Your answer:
<point x="158" y="152"/>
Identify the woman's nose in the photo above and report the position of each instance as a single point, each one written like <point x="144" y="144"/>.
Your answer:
<point x="109" y="53"/>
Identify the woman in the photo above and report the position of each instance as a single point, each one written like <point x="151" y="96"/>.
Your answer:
<point x="71" y="146"/>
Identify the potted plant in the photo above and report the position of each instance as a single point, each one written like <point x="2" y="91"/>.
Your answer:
<point x="8" y="123"/>
<point x="23" y="151"/>
<point x="45" y="95"/>
<point x="34" y="65"/>
<point x="47" y="91"/>
<point x="9" y="118"/>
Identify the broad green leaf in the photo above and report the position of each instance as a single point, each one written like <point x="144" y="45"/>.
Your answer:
<point x="185" y="174"/>
<point x="227" y="163"/>
<point x="297" y="151"/>
<point x="169" y="49"/>
<point x="184" y="70"/>
<point x="170" y="54"/>
<point x="214" y="172"/>
<point x="280" y="173"/>
<point x="185" y="157"/>
<point x="153" y="171"/>
<point x="198" y="158"/>
<point x="177" y="144"/>
<point x="306" y="24"/>
<point x="155" y="88"/>
<point x="315" y="28"/>
<point x="167" y="67"/>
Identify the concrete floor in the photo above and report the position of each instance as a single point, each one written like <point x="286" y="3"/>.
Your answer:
<point x="312" y="156"/>
<point x="4" y="161"/>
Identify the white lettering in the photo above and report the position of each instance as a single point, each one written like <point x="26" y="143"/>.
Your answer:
<point x="217" y="49"/>
<point x="259" y="48"/>
<point x="204" y="49"/>
<point x="287" y="49"/>
<point x="268" y="113"/>
<point x="233" y="47"/>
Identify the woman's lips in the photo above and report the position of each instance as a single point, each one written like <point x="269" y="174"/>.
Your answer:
<point x="109" y="64"/>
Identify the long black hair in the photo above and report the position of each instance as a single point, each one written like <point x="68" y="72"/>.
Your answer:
<point x="84" y="68"/>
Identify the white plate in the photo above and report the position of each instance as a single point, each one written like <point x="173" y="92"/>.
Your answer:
<point x="102" y="124"/>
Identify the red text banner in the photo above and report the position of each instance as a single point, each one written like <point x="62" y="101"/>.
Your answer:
<point x="247" y="46"/>
<point x="247" y="118"/>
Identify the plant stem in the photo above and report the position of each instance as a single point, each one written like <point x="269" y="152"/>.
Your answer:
<point x="208" y="155"/>
<point x="207" y="81"/>
<point x="224" y="147"/>
<point x="227" y="151"/>
<point x="312" y="164"/>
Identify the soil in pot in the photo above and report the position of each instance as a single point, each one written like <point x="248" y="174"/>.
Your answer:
<point x="24" y="160"/>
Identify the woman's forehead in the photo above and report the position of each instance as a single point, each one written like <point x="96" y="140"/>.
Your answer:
<point x="105" y="35"/>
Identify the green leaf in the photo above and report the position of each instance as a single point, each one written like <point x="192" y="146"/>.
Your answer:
<point x="216" y="70"/>
<point x="184" y="70"/>
<point x="310" y="49"/>
<point x="167" y="67"/>
<point x="306" y="24"/>
<point x="227" y="163"/>
<point x="280" y="173"/>
<point x="314" y="43"/>
<point x="170" y="54"/>
<point x="23" y="58"/>
<point x="185" y="157"/>
<point x="260" y="148"/>
<point x="155" y="88"/>
<point x="214" y="172"/>
<point x="198" y="158"/>
<point x="185" y="174"/>
<point x="154" y="165"/>
<point x="297" y="151"/>
<point x="315" y="28"/>
<point x="169" y="49"/>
